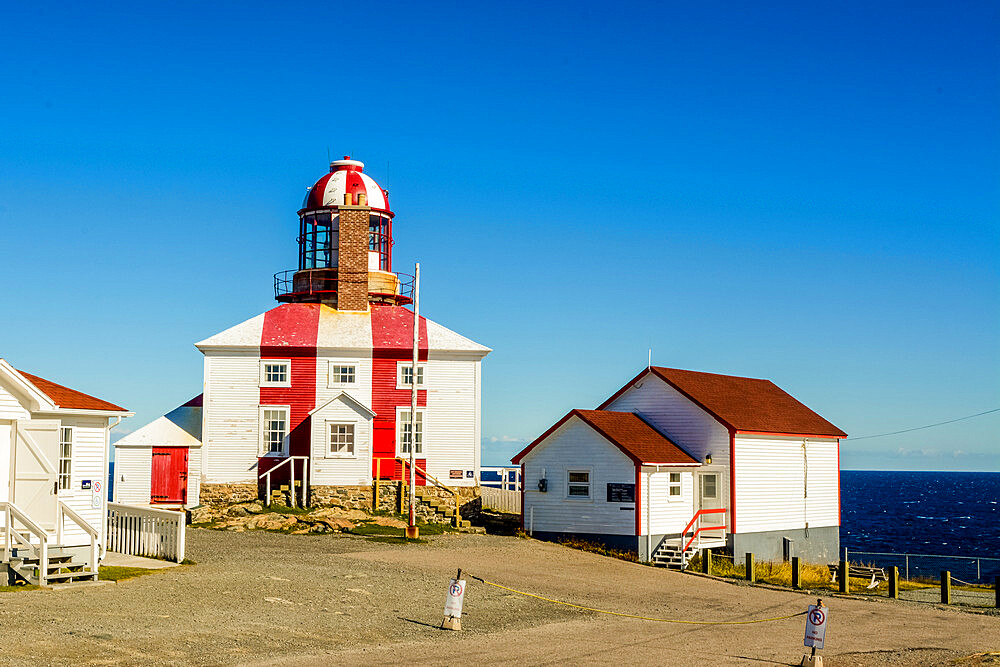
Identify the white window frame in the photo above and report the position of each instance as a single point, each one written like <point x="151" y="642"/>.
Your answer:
<point x="590" y="484"/>
<point x="671" y="485"/>
<point x="421" y="375"/>
<point x="422" y="413"/>
<point x="330" y="382"/>
<point x="355" y="429"/>
<point x="262" y="448"/>
<point x="701" y="486"/>
<point x="264" y="363"/>
<point x="65" y="440"/>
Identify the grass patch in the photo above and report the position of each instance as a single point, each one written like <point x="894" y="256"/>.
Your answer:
<point x="116" y="573"/>
<point x="598" y="548"/>
<point x="18" y="588"/>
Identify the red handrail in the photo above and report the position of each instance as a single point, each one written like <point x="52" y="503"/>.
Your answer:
<point x="698" y="530"/>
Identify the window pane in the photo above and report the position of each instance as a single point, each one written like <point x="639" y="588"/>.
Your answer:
<point x="675" y="478"/>
<point x="579" y="490"/>
<point x="579" y="477"/>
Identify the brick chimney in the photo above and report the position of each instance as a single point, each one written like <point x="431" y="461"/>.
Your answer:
<point x="352" y="270"/>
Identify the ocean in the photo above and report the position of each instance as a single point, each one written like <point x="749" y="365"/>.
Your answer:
<point x="948" y="513"/>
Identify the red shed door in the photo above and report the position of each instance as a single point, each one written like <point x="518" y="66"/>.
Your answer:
<point x="170" y="470"/>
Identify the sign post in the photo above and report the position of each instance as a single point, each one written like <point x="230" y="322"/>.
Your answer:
<point x="816" y="621"/>
<point x="453" y="603"/>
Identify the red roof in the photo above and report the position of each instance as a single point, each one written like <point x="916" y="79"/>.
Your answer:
<point x="744" y="404"/>
<point x="637" y="439"/>
<point x="64" y="397"/>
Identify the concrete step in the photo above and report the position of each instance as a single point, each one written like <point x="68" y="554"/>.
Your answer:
<point x="82" y="575"/>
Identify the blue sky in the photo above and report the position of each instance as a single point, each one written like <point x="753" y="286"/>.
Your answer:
<point x="807" y="193"/>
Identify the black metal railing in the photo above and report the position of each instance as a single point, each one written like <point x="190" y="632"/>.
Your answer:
<point x="293" y="285"/>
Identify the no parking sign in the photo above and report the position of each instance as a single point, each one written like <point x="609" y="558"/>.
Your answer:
<point x="816" y="621"/>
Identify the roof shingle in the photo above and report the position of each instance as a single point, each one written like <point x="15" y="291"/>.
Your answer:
<point x="64" y="397"/>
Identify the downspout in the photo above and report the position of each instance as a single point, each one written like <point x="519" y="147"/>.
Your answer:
<point x="104" y="496"/>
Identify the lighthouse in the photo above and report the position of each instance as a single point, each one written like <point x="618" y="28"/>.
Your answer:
<point x="345" y="245"/>
<point x="314" y="395"/>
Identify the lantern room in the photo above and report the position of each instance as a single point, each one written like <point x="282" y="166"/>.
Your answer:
<point x="345" y="239"/>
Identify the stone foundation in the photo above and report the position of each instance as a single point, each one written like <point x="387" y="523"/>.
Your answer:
<point x="223" y="495"/>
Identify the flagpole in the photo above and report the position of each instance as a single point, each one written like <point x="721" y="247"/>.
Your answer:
<point x="412" y="531"/>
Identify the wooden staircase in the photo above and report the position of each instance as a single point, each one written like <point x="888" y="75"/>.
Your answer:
<point x="671" y="555"/>
<point x="61" y="569"/>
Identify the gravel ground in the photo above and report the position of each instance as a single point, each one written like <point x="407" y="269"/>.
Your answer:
<point x="271" y="598"/>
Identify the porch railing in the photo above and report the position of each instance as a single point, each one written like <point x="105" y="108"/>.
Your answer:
<point x="13" y="538"/>
<point x="434" y="480"/>
<point x="289" y="461"/>
<point x="698" y="529"/>
<point x="143" y="531"/>
<point x="63" y="512"/>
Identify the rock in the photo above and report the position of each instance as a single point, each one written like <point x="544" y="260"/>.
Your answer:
<point x="244" y="509"/>
<point x="202" y="515"/>
<point x="338" y="513"/>
<point x="271" y="521"/>
<point x="337" y="525"/>
<point x="388" y="521"/>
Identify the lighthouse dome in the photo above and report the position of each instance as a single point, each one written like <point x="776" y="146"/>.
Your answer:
<point x="346" y="176"/>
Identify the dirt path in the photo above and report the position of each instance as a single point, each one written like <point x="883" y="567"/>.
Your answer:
<point x="267" y="598"/>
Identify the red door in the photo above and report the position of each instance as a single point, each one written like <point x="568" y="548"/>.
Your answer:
<point x="169" y="478"/>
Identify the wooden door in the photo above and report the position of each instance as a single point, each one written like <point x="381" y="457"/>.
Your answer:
<point x="34" y="460"/>
<point x="168" y="482"/>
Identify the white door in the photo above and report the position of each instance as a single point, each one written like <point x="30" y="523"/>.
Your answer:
<point x="34" y="460"/>
<point x="709" y="493"/>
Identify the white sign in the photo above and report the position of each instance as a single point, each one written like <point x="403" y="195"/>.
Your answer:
<point x="453" y="603"/>
<point x="816" y="625"/>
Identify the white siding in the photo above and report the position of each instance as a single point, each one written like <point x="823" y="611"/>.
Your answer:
<point x="575" y="446"/>
<point x="194" y="477"/>
<point x="677" y="417"/>
<point x="230" y="425"/>
<point x="667" y="516"/>
<point x="334" y="470"/>
<point x="5" y="435"/>
<point x="88" y="463"/>
<point x="451" y="439"/>
<point x="10" y="407"/>
<point x="133" y="473"/>
<point x="771" y="492"/>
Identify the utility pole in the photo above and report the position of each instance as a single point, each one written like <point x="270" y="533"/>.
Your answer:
<point x="412" y="532"/>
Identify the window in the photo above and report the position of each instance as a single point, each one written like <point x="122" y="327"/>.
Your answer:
<point x="273" y="429"/>
<point x="403" y="432"/>
<point x="405" y="375"/>
<point x="578" y="483"/>
<point x="675" y="486"/>
<point x="341" y="439"/>
<point x="709" y="487"/>
<point x="342" y="373"/>
<point x="274" y="373"/>
<point x="65" y="457"/>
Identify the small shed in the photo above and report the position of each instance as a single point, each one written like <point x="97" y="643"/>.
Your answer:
<point x="679" y="460"/>
<point x="160" y="464"/>
<point x="54" y="446"/>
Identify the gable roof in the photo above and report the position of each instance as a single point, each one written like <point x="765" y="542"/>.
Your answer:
<point x="347" y="398"/>
<point x="181" y="426"/>
<point x="66" y="398"/>
<point x="628" y="432"/>
<point x="743" y="404"/>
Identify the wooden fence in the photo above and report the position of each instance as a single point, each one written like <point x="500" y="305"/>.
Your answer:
<point x="501" y="500"/>
<point x="143" y="531"/>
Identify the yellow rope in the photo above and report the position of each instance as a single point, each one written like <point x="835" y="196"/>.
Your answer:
<point x="642" y="618"/>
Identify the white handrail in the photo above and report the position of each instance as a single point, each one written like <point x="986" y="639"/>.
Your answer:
<point x="266" y="476"/>
<point x="64" y="510"/>
<point x="12" y="512"/>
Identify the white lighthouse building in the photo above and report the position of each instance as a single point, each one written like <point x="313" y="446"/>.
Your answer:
<point x="317" y="390"/>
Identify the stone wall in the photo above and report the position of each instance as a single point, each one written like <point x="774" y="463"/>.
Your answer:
<point x="223" y="495"/>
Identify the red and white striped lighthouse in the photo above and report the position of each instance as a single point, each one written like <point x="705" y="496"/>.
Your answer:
<point x="345" y="244"/>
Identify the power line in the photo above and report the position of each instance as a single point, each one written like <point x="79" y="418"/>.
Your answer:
<point x="919" y="428"/>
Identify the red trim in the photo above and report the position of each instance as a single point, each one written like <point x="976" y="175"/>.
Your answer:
<point x="695" y="518"/>
<point x="789" y="435"/>
<point x="732" y="481"/>
<point x="638" y="500"/>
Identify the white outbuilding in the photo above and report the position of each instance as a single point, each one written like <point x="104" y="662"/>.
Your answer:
<point x="680" y="460"/>
<point x="54" y="447"/>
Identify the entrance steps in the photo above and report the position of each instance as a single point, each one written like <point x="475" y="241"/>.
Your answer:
<point x="62" y="569"/>
<point x="670" y="553"/>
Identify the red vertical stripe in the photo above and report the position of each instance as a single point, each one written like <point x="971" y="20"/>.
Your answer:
<point x="392" y="342"/>
<point x="290" y="332"/>
<point x="732" y="481"/>
<point x="354" y="185"/>
<point x="638" y="502"/>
